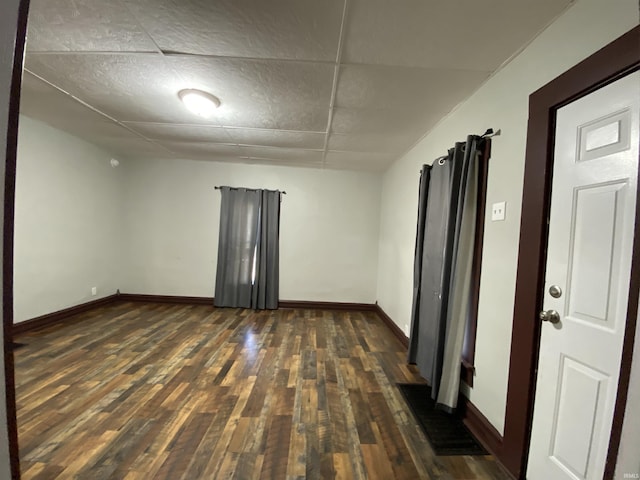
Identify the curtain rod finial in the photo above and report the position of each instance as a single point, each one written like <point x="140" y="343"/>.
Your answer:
<point x="490" y="133"/>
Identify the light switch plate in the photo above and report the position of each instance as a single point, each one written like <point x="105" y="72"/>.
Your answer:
<point x="498" y="211"/>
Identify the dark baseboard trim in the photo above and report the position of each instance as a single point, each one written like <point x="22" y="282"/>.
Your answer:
<point x="395" y="329"/>
<point x="467" y="372"/>
<point x="303" y="304"/>
<point x="289" y="304"/>
<point x="135" y="297"/>
<point x="482" y="429"/>
<point x="57" y="317"/>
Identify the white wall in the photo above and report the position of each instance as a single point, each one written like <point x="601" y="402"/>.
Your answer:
<point x="328" y="233"/>
<point x="8" y="24"/>
<point x="67" y="222"/>
<point x="502" y="103"/>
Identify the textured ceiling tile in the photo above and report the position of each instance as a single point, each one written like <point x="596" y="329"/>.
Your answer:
<point x="291" y="29"/>
<point x="447" y="34"/>
<point x="261" y="94"/>
<point x="84" y="25"/>
<point x="383" y="122"/>
<point x="277" y="138"/>
<point x="128" y="88"/>
<point x="144" y="88"/>
<point x="405" y="88"/>
<point x="371" y="162"/>
<point x="131" y="147"/>
<point x="257" y="82"/>
<point x="371" y="142"/>
<point x="198" y="150"/>
<point x="284" y="163"/>
<point x="278" y="118"/>
<point x="41" y="101"/>
<point x="282" y="154"/>
<point x="181" y="133"/>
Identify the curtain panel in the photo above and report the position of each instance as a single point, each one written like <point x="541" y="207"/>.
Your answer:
<point x="445" y="241"/>
<point x="248" y="272"/>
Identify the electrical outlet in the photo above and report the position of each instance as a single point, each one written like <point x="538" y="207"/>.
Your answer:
<point x="498" y="211"/>
<point x="406" y="329"/>
<point x="94" y="291"/>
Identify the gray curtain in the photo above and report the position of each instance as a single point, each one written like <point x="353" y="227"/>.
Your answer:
<point x="423" y="193"/>
<point x="442" y="269"/>
<point x="247" y="275"/>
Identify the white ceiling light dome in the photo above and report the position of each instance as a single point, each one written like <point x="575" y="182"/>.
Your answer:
<point x="201" y="103"/>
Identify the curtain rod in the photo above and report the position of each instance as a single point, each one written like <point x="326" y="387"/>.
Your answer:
<point x="490" y="133"/>
<point x="218" y="187"/>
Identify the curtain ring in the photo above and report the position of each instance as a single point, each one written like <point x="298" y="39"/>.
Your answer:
<point x="441" y="161"/>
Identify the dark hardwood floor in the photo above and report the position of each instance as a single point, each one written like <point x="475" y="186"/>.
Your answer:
<point x="159" y="391"/>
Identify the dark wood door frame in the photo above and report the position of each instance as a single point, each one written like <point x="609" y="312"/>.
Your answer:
<point x="8" y="224"/>
<point x="612" y="62"/>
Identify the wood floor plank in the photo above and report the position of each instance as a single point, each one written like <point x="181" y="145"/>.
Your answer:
<point x="376" y="462"/>
<point x="276" y="455"/>
<point x="159" y="391"/>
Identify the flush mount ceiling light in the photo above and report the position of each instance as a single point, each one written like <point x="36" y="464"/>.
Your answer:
<point x="201" y="103"/>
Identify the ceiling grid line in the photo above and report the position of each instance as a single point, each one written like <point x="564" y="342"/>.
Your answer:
<point x="334" y="86"/>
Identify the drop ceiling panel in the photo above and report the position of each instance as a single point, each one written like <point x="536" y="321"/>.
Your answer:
<point x="277" y="138"/>
<point x="383" y="122"/>
<point x="283" y="163"/>
<point x="200" y="150"/>
<point x="276" y="117"/>
<point x="404" y="88"/>
<point x="291" y="29"/>
<point x="40" y="100"/>
<point x="125" y="146"/>
<point x="257" y="84"/>
<point x="259" y="94"/>
<point x="84" y="25"/>
<point x="444" y="34"/>
<point x="358" y="161"/>
<point x="282" y="154"/>
<point x="182" y="133"/>
<point x="127" y="88"/>
<point x="43" y="102"/>
<point x="371" y="142"/>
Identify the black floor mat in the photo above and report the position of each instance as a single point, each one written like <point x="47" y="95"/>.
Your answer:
<point x="446" y="432"/>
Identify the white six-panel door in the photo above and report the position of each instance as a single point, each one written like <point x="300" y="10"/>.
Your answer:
<point x="587" y="282"/>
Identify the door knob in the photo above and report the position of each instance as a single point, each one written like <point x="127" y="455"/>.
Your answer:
<point x="550" y="316"/>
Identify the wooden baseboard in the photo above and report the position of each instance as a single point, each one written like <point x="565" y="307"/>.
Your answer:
<point x="482" y="429"/>
<point x="395" y="329"/>
<point x="467" y="372"/>
<point x="290" y="304"/>
<point x="303" y="304"/>
<point x="59" y="316"/>
<point x="135" y="297"/>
